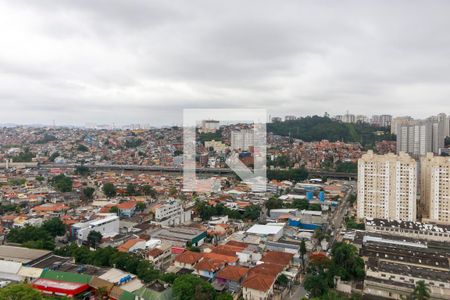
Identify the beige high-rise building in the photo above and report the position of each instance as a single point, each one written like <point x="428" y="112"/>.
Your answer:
<point x="435" y="188"/>
<point x="387" y="186"/>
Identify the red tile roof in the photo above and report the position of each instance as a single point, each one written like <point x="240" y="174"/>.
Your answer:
<point x="227" y="250"/>
<point x="125" y="247"/>
<point x="277" y="257"/>
<point x="47" y="207"/>
<point x="266" y="268"/>
<point x="210" y="265"/>
<point x="221" y="257"/>
<point x="126" y="205"/>
<point x="260" y="282"/>
<point x="189" y="257"/>
<point x="237" y="244"/>
<point x="155" y="252"/>
<point x="232" y="273"/>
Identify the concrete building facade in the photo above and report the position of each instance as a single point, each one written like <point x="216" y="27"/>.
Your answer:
<point x="435" y="188"/>
<point x="387" y="186"/>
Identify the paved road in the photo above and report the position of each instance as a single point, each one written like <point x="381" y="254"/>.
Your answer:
<point x="297" y="293"/>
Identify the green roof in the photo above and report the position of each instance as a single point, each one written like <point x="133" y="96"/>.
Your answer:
<point x="66" y="276"/>
<point x="127" y="296"/>
<point x="149" y="294"/>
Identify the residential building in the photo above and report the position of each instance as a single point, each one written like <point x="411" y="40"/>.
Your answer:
<point x="127" y="209"/>
<point x="435" y="188"/>
<point x="387" y="186"/>
<point x="231" y="277"/>
<point x="418" y="137"/>
<point x="161" y="256"/>
<point x="242" y="139"/>
<point x="217" y="146"/>
<point x="107" y="226"/>
<point x="210" y="126"/>
<point x="171" y="213"/>
<point x="381" y="120"/>
<point x="399" y="121"/>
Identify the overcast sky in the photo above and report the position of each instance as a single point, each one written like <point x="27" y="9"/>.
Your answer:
<point x="130" y="61"/>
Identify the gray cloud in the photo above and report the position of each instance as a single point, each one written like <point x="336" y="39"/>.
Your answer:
<point x="144" y="61"/>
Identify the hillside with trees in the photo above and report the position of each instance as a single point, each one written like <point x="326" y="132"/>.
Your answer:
<point x="316" y="128"/>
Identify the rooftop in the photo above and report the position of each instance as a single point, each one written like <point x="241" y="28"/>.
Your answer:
<point x="21" y="254"/>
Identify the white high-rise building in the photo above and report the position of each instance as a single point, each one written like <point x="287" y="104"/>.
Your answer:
<point x="348" y="118"/>
<point x="387" y="186"/>
<point x="435" y="188"/>
<point x="399" y="121"/>
<point x="418" y="137"/>
<point x="210" y="126"/>
<point x="381" y="120"/>
<point x="242" y="139"/>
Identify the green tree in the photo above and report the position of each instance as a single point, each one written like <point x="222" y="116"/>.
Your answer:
<point x="346" y="167"/>
<point x="62" y="183"/>
<point x="315" y="206"/>
<point x="32" y="237"/>
<point x="25" y="156"/>
<point x="274" y="203"/>
<point x="131" y="189"/>
<point x="88" y="192"/>
<point x="82" y="148"/>
<point x="168" y="277"/>
<point x="224" y="296"/>
<point x="252" y="212"/>
<point x="53" y="156"/>
<point x="148" y="191"/>
<point x="282" y="280"/>
<point x="20" y="291"/>
<point x="421" y="291"/>
<point x="140" y="206"/>
<point x="82" y="170"/>
<point x="114" y="210"/>
<point x="316" y="284"/>
<point x="300" y="204"/>
<point x="346" y="262"/>
<point x="94" y="238"/>
<point x="190" y="287"/>
<point x="109" y="190"/>
<point x="55" y="227"/>
<point x="303" y="252"/>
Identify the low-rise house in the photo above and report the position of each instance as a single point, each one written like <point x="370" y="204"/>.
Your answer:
<point x="283" y="259"/>
<point x="161" y="256"/>
<point x="208" y="267"/>
<point x="188" y="259"/>
<point x="132" y="245"/>
<point x="231" y="277"/>
<point x="258" y="286"/>
<point x="127" y="209"/>
<point x="53" y="209"/>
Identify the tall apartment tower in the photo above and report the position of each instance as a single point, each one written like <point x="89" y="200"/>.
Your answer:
<point x="242" y="139"/>
<point x="435" y="188"/>
<point x="399" y="121"/>
<point x="418" y="137"/>
<point x="387" y="186"/>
